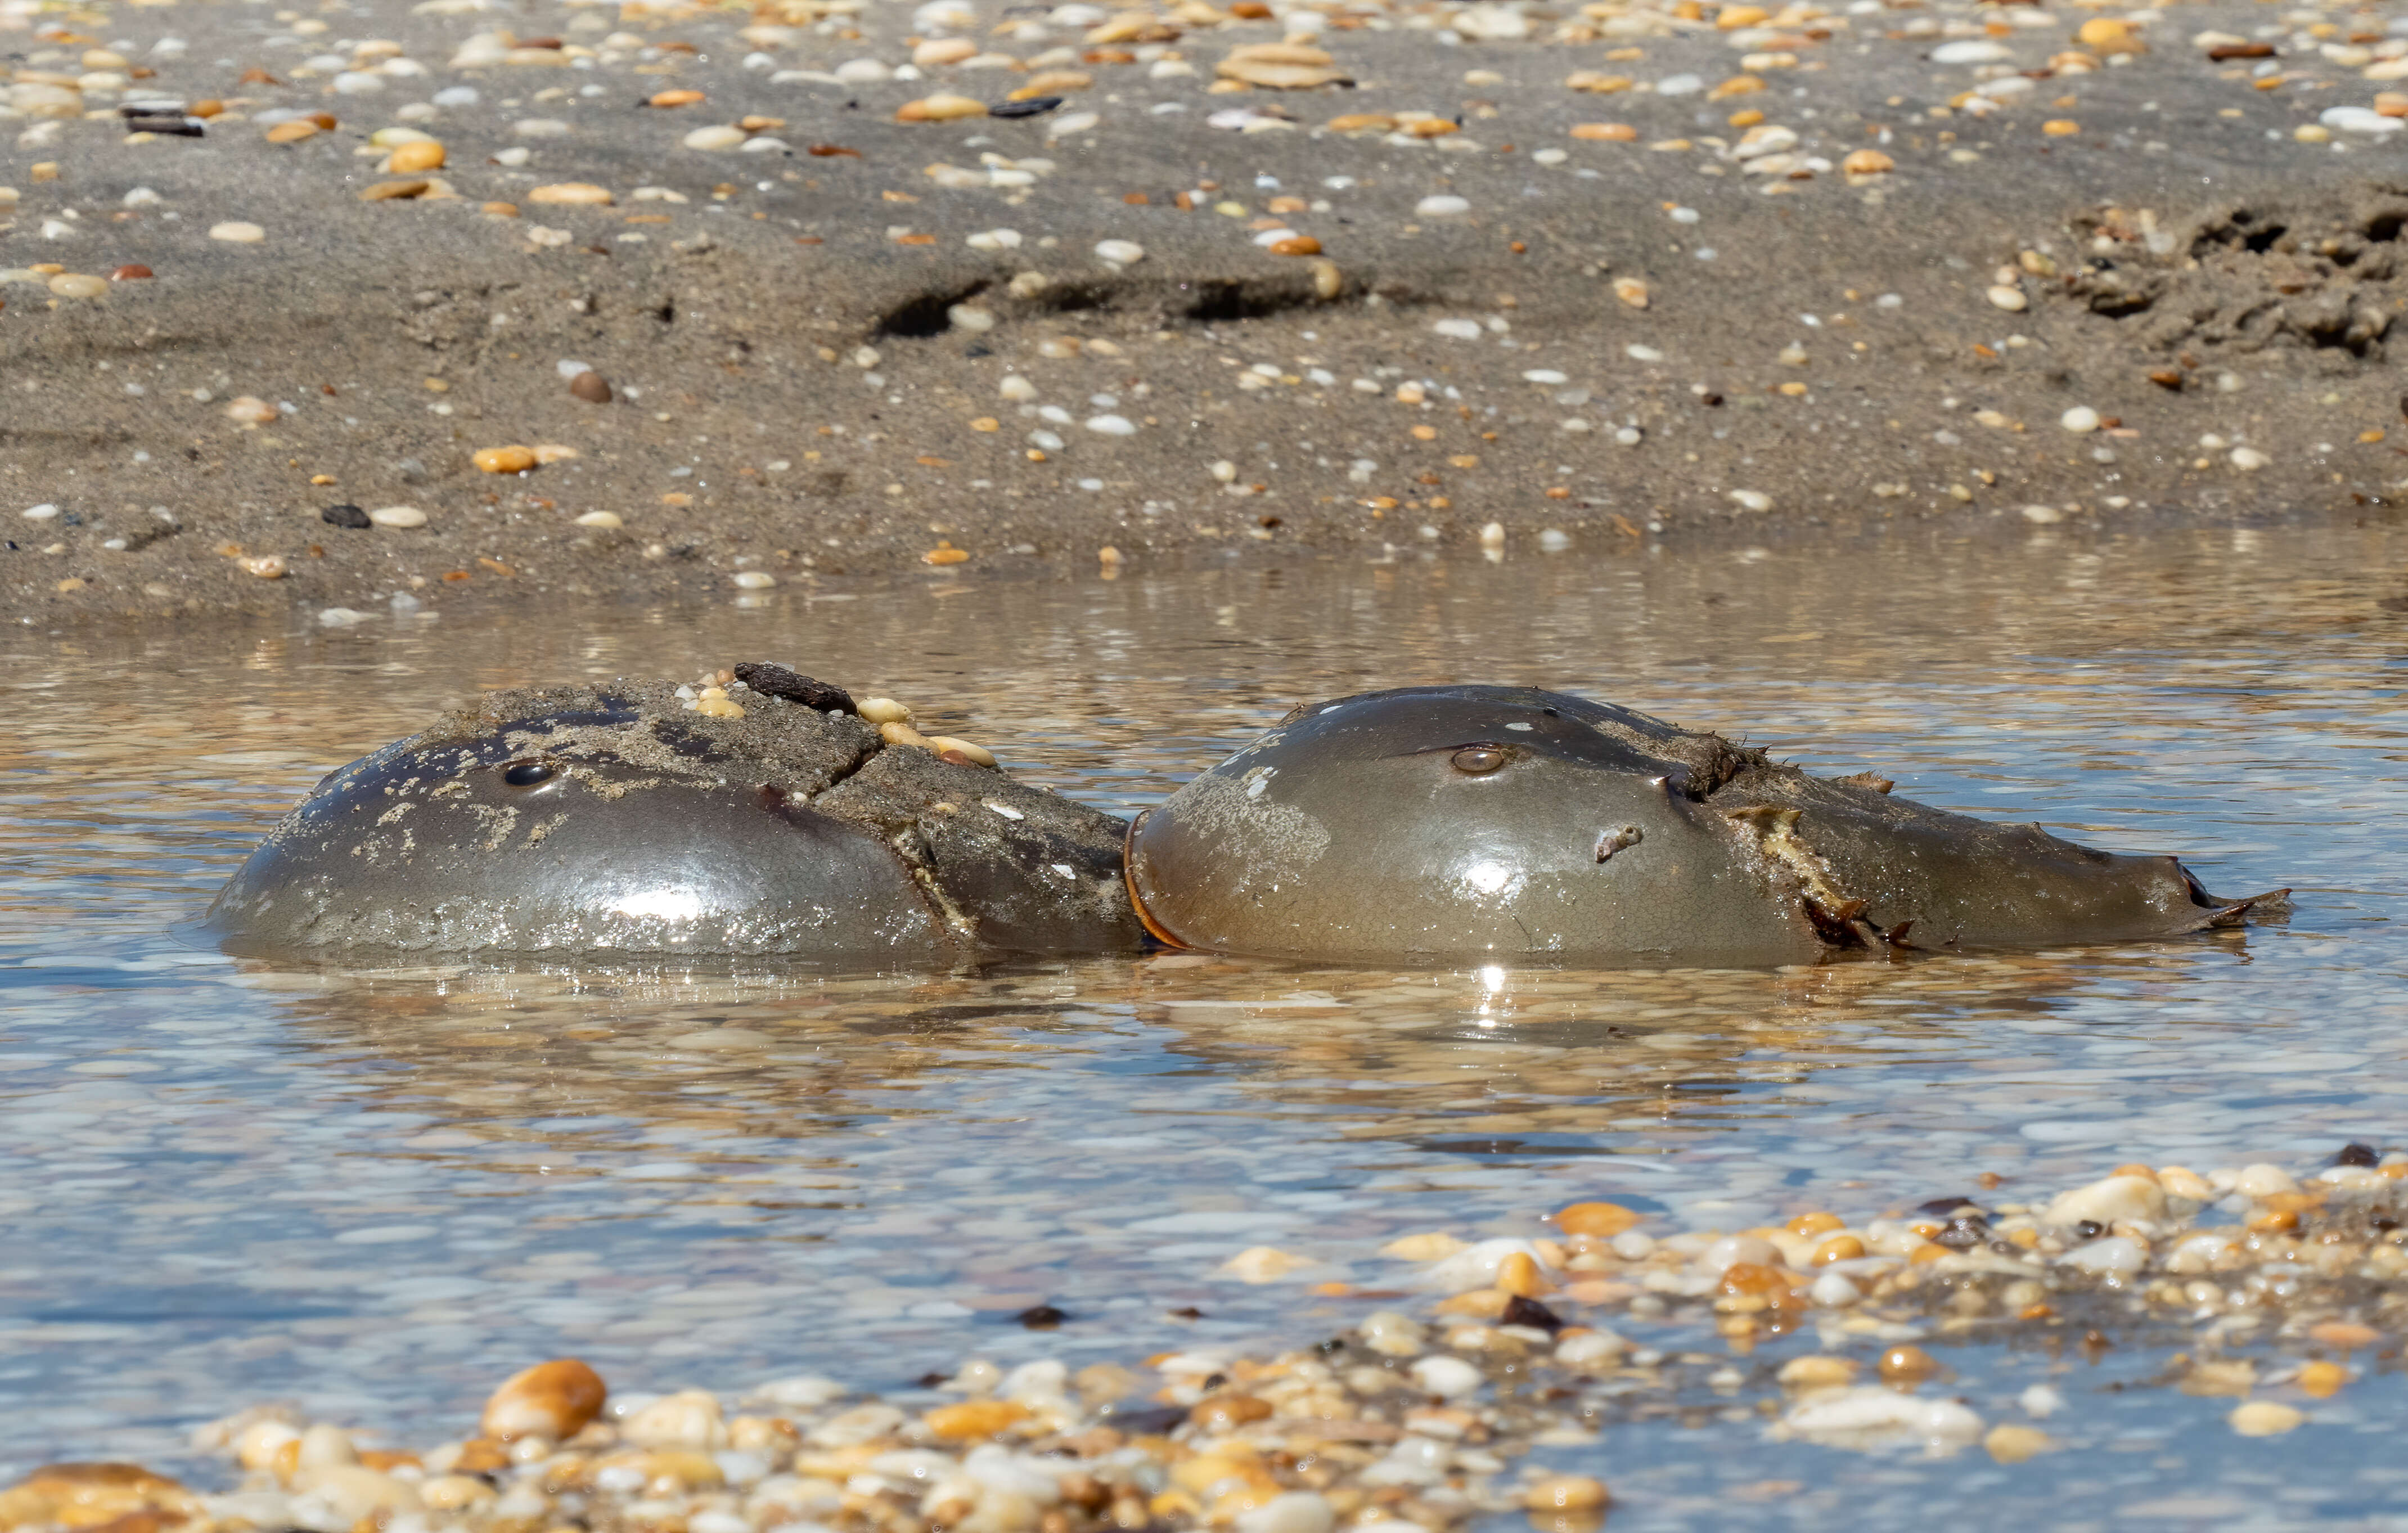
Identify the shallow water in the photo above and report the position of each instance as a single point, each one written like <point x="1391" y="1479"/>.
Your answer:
<point x="375" y="1194"/>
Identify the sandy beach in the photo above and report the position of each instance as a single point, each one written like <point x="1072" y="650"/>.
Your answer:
<point x="298" y="304"/>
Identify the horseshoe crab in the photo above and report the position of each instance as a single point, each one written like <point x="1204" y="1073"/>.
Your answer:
<point x="627" y="819"/>
<point x="1439" y="822"/>
<point x="1480" y="821"/>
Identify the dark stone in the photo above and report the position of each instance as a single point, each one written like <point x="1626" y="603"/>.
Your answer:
<point x="794" y="686"/>
<point x="1530" y="1311"/>
<point x="1036" y="106"/>
<point x="1044" y="1317"/>
<point x="346" y="516"/>
<point x="2358" y="1155"/>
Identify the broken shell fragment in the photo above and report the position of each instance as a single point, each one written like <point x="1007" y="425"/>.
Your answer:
<point x="941" y="107"/>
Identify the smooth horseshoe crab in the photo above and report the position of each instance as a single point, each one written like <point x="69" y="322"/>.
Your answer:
<point x="1440" y="823"/>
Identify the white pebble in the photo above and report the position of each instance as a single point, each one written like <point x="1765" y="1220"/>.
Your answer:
<point x="238" y="234"/>
<point x="1121" y="252"/>
<point x="1636" y="353"/>
<point x="1293" y="1512"/>
<point x="1112" y="426"/>
<point x="2115" y="1253"/>
<point x="1553" y="539"/>
<point x="43" y="512"/>
<point x="2081" y="419"/>
<point x="1752" y="500"/>
<point x="2010" y="299"/>
<point x="343" y="617"/>
<point x="1458" y="329"/>
<point x="398" y="516"/>
<point x="1017" y="389"/>
<point x="754" y="580"/>
<point x="1450" y="1377"/>
<point x="1440" y="207"/>
<point x="2041" y="1401"/>
<point x="2249" y="460"/>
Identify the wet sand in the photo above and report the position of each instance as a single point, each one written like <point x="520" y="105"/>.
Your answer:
<point x="840" y="344"/>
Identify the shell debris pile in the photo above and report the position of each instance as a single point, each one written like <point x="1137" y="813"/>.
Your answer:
<point x="1494" y="1390"/>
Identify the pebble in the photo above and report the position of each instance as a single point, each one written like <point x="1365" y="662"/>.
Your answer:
<point x="504" y="460"/>
<point x="608" y="521"/>
<point x="2265" y="1418"/>
<point x="407" y="159"/>
<point x="2010" y="1443"/>
<point x="1817" y="1372"/>
<point x="1121" y="252"/>
<point x="76" y="285"/>
<point x="949" y="746"/>
<point x="267" y="567"/>
<point x="973" y="1420"/>
<point x="237" y="234"/>
<point x="350" y="517"/>
<point x="2248" y="458"/>
<point x="714" y="137"/>
<point x="690" y="1418"/>
<point x="2081" y="419"/>
<point x="1441" y="205"/>
<point x="1450" y="1377"/>
<point x="1291" y="1512"/>
<point x="941" y="107"/>
<point x="2012" y="299"/>
<point x="584" y="192"/>
<point x="882" y="710"/>
<point x="2115" y="1253"/>
<point x="398" y="516"/>
<point x="753" y="579"/>
<point x="2110" y="1200"/>
<point x="1567" y="1493"/>
<point x="1263" y="1264"/>
<point x="1869" y="1415"/>
<point x="590" y="386"/>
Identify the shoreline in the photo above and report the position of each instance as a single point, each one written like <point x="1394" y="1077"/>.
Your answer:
<point x="1506" y="1395"/>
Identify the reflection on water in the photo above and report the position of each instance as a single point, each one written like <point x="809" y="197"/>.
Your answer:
<point x="375" y="1192"/>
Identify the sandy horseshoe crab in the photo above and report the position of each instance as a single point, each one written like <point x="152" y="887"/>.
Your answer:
<point x="779" y="817"/>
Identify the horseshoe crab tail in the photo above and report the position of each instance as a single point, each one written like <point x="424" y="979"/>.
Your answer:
<point x="2237" y="913"/>
<point x="2226" y="911"/>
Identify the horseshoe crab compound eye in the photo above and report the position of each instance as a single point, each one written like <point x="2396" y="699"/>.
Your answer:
<point x="527" y="774"/>
<point x="1478" y="759"/>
